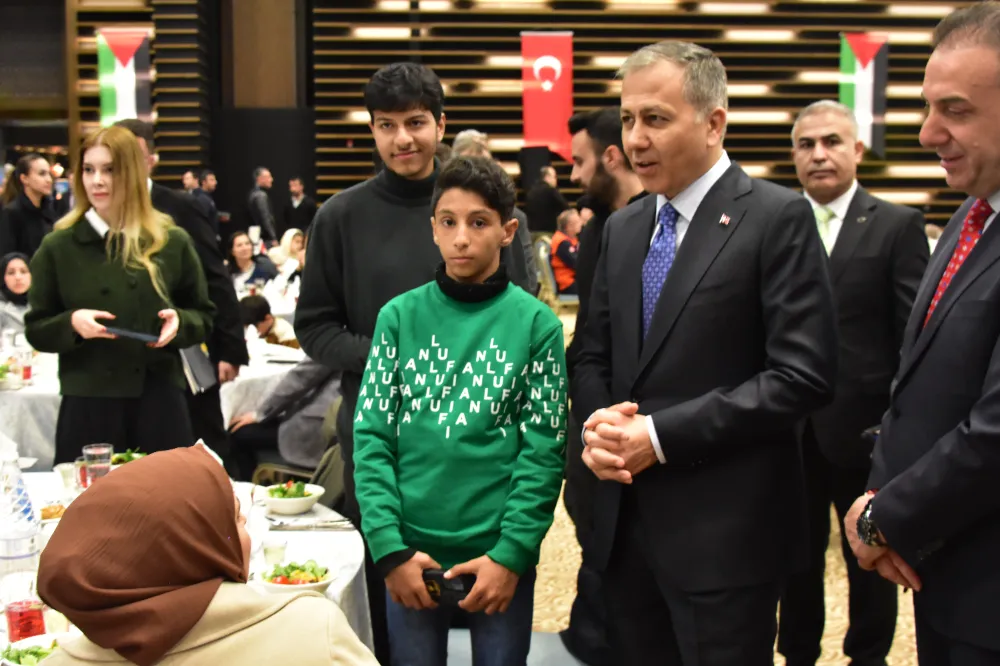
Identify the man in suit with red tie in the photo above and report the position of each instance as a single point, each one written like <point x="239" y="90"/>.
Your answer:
<point x="878" y="253"/>
<point x="711" y="335"/>
<point x="931" y="517"/>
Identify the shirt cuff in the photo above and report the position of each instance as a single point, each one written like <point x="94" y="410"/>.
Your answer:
<point x="654" y="440"/>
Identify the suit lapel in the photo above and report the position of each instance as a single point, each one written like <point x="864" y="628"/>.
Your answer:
<point x="636" y="234"/>
<point x="985" y="254"/>
<point x="705" y="238"/>
<point x="859" y="217"/>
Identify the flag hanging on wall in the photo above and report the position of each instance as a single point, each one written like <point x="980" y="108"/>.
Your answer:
<point x="547" y="90"/>
<point x="123" y="68"/>
<point x="864" y="75"/>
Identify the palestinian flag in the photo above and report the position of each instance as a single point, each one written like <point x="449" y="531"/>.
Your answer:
<point x="123" y="69"/>
<point x="864" y="75"/>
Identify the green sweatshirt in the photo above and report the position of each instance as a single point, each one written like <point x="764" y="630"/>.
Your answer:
<point x="460" y="427"/>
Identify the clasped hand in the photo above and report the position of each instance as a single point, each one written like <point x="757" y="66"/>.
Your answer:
<point x="883" y="559"/>
<point x="617" y="445"/>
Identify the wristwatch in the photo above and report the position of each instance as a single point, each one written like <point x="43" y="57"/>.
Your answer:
<point x="867" y="530"/>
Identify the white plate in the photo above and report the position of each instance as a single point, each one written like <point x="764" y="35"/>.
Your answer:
<point x="45" y="640"/>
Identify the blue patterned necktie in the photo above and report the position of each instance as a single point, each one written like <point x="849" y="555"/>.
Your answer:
<point x="658" y="262"/>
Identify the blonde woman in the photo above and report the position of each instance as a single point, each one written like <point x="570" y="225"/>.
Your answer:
<point x="114" y="261"/>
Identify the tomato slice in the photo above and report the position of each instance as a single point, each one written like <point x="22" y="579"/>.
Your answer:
<point x="280" y="580"/>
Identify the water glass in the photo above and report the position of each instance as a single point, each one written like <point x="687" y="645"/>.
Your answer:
<point x="98" y="460"/>
<point x="69" y="476"/>
<point x="274" y="551"/>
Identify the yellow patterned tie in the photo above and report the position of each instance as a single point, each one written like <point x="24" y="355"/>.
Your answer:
<point x="823" y="217"/>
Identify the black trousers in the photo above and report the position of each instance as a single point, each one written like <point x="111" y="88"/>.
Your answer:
<point x="873" y="600"/>
<point x="155" y="421"/>
<point x="206" y="420"/>
<point x="651" y="621"/>
<point x="247" y="442"/>
<point x="586" y="637"/>
<point x="934" y="649"/>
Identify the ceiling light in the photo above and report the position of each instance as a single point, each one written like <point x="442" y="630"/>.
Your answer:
<point x="733" y="8"/>
<point x="642" y="4"/>
<point x="496" y="145"/>
<point x="767" y="117"/>
<point x="435" y="5"/>
<point x="756" y="170"/>
<point x="505" y="61"/>
<point x="513" y="169"/>
<point x="608" y="62"/>
<point x="500" y="86"/>
<point x="915" y="171"/>
<point x="904" y="117"/>
<point x="903" y="91"/>
<point x="759" y="35"/>
<point x="748" y="89"/>
<point x="358" y="116"/>
<point x="902" y="196"/>
<point x="381" y="32"/>
<point x="819" y="76"/>
<point x="932" y="11"/>
<point x="906" y="36"/>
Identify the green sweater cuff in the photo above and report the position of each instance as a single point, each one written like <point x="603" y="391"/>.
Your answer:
<point x="55" y="335"/>
<point x="384" y="541"/>
<point x="512" y="555"/>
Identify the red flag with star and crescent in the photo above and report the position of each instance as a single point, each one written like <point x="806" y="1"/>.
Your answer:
<point x="547" y="83"/>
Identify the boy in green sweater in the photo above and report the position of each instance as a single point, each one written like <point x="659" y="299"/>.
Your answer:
<point x="459" y="432"/>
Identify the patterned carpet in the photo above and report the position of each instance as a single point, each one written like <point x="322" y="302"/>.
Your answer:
<point x="556" y="588"/>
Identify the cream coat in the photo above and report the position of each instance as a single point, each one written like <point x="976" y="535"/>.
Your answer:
<point x="243" y="627"/>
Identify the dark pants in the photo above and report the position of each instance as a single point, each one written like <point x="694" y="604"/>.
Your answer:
<point x="934" y="649"/>
<point x="650" y="621"/>
<point x="420" y="637"/>
<point x="155" y="421"/>
<point x="247" y="442"/>
<point x="873" y="599"/>
<point x="586" y="637"/>
<point x="206" y="420"/>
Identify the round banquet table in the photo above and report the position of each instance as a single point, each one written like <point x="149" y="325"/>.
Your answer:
<point x="342" y="550"/>
<point x="28" y="415"/>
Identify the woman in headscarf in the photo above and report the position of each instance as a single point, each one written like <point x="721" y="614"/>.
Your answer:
<point x="151" y="564"/>
<point x="15" y="281"/>
<point x="285" y="255"/>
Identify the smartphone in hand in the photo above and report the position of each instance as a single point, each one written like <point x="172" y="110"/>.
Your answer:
<point x="134" y="335"/>
<point x="445" y="591"/>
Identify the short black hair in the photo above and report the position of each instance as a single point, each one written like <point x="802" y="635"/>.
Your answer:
<point x="298" y="178"/>
<point x="253" y="310"/>
<point x="141" y="129"/>
<point x="404" y="86"/>
<point x="578" y="122"/>
<point x="203" y="176"/>
<point x="479" y="175"/>
<point x="605" y="129"/>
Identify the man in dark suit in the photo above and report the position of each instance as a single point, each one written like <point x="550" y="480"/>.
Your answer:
<point x="602" y="170"/>
<point x="931" y="517"/>
<point x="878" y="253"/>
<point x="544" y="202"/>
<point x="300" y="209"/>
<point x="207" y="182"/>
<point x="711" y="335"/>
<point x="226" y="346"/>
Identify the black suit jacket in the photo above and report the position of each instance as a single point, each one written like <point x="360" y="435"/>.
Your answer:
<point x="227" y="342"/>
<point x="300" y="218"/>
<point x="741" y="349"/>
<point x="937" y="460"/>
<point x="875" y="266"/>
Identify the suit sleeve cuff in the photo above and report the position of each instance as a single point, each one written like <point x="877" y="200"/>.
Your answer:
<point x="655" y="441"/>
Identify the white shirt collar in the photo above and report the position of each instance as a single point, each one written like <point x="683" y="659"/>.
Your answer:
<point x="98" y="223"/>
<point x="994" y="200"/>
<point x="686" y="203"/>
<point x="839" y="205"/>
<point x="149" y="183"/>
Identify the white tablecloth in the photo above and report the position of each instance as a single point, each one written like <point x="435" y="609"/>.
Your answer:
<point x="341" y="551"/>
<point x="28" y="415"/>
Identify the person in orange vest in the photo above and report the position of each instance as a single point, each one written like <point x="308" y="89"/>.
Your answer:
<point x="563" y="253"/>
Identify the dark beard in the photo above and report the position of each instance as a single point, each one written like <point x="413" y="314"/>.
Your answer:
<point x="603" y="187"/>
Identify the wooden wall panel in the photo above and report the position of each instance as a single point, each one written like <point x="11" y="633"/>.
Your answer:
<point x="780" y="56"/>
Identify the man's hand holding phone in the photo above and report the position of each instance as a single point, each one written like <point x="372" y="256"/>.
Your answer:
<point x="406" y="582"/>
<point x="494" y="588"/>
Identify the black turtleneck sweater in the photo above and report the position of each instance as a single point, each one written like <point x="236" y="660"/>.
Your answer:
<point x="23" y="225"/>
<point x="368" y="244"/>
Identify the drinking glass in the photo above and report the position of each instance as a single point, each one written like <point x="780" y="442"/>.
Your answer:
<point x="80" y="467"/>
<point x="274" y="550"/>
<point x="98" y="460"/>
<point x="23" y="609"/>
<point x="69" y="476"/>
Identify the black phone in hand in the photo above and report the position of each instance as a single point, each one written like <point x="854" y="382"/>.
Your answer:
<point x="445" y="591"/>
<point x="134" y="335"/>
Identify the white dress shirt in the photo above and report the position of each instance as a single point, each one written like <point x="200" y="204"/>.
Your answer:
<point x="686" y="204"/>
<point x="839" y="208"/>
<point x="97" y="222"/>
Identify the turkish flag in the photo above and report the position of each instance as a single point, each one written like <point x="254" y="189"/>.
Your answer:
<point x="547" y="82"/>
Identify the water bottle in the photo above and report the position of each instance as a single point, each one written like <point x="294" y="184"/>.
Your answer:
<point x="20" y="532"/>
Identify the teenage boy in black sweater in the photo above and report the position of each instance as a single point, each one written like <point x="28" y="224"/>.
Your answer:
<point x="370" y="243"/>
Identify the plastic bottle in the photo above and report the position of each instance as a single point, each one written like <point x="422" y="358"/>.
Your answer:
<point x="20" y="532"/>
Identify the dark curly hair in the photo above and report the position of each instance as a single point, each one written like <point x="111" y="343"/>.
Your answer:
<point x="479" y="175"/>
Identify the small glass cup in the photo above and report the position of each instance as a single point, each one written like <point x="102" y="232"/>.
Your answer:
<point x="80" y="469"/>
<point x="70" y="477"/>
<point x="274" y="551"/>
<point x="98" y="460"/>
